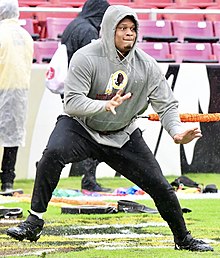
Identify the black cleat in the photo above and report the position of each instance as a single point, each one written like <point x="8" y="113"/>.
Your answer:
<point x="191" y="244"/>
<point x="30" y="229"/>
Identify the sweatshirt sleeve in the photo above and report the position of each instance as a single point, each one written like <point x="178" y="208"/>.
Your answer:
<point x="77" y="87"/>
<point x="163" y="102"/>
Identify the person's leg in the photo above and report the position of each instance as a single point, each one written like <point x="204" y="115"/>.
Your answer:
<point x="88" y="167"/>
<point x="8" y="167"/>
<point x="64" y="146"/>
<point x="89" y="182"/>
<point x="136" y="162"/>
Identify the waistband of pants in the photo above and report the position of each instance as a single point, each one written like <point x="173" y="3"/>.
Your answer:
<point x="110" y="132"/>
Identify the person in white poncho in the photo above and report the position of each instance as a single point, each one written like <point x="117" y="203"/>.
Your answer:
<point x="16" y="55"/>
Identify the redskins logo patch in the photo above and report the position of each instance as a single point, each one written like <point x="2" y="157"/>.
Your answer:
<point x="117" y="81"/>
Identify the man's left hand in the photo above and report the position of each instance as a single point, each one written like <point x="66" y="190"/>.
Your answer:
<point x="187" y="136"/>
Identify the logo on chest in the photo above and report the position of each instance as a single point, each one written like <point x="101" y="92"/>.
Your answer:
<point x="117" y="81"/>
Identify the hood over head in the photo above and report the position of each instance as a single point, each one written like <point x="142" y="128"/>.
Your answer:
<point x="93" y="10"/>
<point x="113" y="15"/>
<point x="9" y="9"/>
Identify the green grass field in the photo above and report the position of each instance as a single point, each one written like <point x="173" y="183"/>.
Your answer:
<point x="121" y="235"/>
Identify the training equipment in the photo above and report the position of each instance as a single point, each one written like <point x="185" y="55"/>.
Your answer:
<point x="6" y="212"/>
<point x="190" y="117"/>
<point x="88" y="209"/>
<point x="134" y="207"/>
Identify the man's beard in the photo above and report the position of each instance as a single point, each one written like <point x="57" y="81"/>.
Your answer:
<point x="129" y="46"/>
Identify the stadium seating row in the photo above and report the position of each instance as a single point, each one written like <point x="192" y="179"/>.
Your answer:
<point x="40" y="25"/>
<point x="182" y="52"/>
<point x="166" y="33"/>
<point x="133" y="3"/>
<point x="179" y="30"/>
<point x="161" y="51"/>
<point x="147" y="5"/>
<point x="44" y="50"/>
<point x="149" y="30"/>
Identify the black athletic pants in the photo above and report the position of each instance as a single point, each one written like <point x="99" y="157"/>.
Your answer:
<point x="69" y="143"/>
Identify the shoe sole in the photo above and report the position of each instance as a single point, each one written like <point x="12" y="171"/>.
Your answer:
<point x="196" y="250"/>
<point x="205" y="249"/>
<point x="11" y="192"/>
<point x="21" y="238"/>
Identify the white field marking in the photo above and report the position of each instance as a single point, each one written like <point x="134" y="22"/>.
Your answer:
<point x="114" y="236"/>
<point x="103" y="243"/>
<point x="38" y="253"/>
<point x="134" y="247"/>
<point x="4" y="199"/>
<point x="141" y="225"/>
<point x="198" y="195"/>
<point x="122" y="245"/>
<point x="208" y="241"/>
<point x="9" y="221"/>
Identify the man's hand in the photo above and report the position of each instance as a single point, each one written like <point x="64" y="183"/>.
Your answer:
<point x="116" y="101"/>
<point x="187" y="136"/>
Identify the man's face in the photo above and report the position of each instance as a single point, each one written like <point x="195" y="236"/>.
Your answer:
<point x="125" y="35"/>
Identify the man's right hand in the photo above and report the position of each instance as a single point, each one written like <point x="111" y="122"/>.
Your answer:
<point x="116" y="101"/>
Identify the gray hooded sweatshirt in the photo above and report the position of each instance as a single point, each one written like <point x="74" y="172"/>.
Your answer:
<point x="96" y="73"/>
